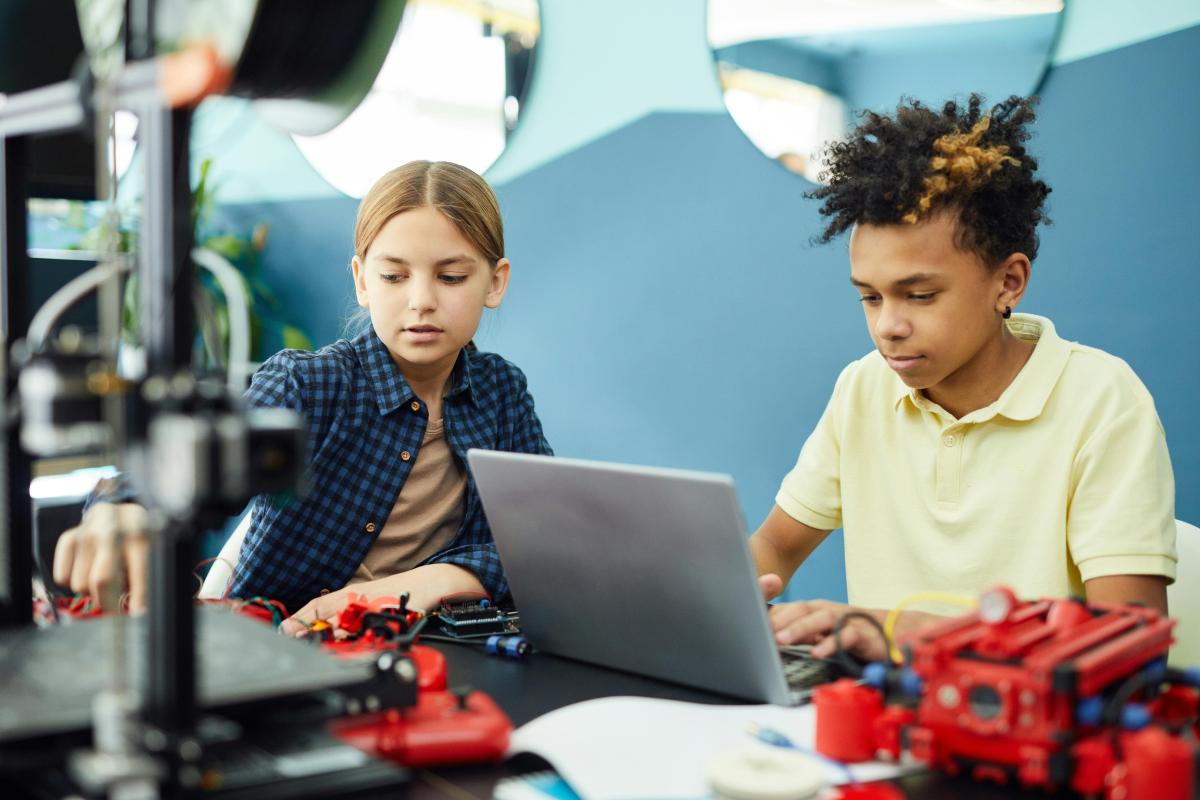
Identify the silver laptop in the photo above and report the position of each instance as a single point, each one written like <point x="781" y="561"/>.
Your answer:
<point x="637" y="568"/>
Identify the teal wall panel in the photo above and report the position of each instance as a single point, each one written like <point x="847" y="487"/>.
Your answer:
<point x="1097" y="26"/>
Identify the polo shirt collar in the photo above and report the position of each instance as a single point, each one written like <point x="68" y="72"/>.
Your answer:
<point x="1026" y="396"/>
<point x="388" y="383"/>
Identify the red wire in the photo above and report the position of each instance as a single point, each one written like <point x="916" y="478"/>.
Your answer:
<point x="200" y="564"/>
<point x="460" y="596"/>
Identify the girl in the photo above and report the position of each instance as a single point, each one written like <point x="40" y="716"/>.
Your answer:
<point x="391" y="415"/>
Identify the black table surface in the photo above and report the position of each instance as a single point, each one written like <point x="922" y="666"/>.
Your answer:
<point x="526" y="690"/>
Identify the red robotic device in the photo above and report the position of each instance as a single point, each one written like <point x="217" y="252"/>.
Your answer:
<point x="441" y="727"/>
<point x="1048" y="693"/>
<point x="382" y="624"/>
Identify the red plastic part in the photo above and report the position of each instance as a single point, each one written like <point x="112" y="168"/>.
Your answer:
<point x="349" y="618"/>
<point x="999" y="702"/>
<point x="430" y="664"/>
<point x="1158" y="766"/>
<point x="437" y="731"/>
<point x="867" y="791"/>
<point x="1094" y="759"/>
<point x="1000" y="699"/>
<point x="364" y="645"/>
<point x="1176" y="707"/>
<point x="431" y="668"/>
<point x="889" y="731"/>
<point x="846" y="715"/>
<point x="260" y="613"/>
<point x="77" y="607"/>
<point x="357" y="606"/>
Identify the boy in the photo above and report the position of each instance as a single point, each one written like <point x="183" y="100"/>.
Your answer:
<point x="973" y="446"/>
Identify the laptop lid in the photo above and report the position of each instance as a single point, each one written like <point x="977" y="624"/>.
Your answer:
<point x="636" y="568"/>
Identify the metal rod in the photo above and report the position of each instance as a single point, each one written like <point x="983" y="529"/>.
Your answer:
<point x="165" y="271"/>
<point x="170" y="699"/>
<point x="166" y="279"/>
<point x="16" y="508"/>
<point x="47" y="109"/>
<point x="139" y="30"/>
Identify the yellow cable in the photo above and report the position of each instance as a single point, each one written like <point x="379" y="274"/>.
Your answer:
<point x="889" y="624"/>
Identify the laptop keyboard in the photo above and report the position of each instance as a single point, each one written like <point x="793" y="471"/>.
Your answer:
<point x="802" y="671"/>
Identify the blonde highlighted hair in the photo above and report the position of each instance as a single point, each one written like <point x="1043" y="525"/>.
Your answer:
<point x="961" y="166"/>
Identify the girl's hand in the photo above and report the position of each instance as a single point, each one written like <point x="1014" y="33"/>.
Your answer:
<point x="425" y="585"/>
<point x="86" y="555"/>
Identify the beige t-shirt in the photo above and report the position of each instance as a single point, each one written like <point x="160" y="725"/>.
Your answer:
<point x="427" y="514"/>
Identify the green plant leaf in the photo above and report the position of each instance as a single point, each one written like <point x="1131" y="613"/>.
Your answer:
<point x="295" y="339"/>
<point x="264" y="293"/>
<point x="202" y="198"/>
<point x="243" y="251"/>
<point x="129" y="310"/>
<point x="228" y="246"/>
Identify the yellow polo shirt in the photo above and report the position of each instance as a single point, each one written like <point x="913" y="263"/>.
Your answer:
<point x="1064" y="478"/>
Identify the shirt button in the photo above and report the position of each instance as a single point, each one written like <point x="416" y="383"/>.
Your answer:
<point x="324" y="591"/>
<point x="415" y="406"/>
<point x="405" y="455"/>
<point x="370" y="527"/>
<point x="949" y="441"/>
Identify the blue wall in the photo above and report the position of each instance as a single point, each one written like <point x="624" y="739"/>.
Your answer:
<point x="668" y="309"/>
<point x="1118" y="140"/>
<point x="946" y="59"/>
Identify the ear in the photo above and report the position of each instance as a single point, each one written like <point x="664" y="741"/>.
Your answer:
<point x="1012" y="279"/>
<point x="360" y="280"/>
<point x="498" y="284"/>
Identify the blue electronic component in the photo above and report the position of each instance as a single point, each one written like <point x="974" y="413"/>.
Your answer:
<point x="1134" y="717"/>
<point x="1089" y="711"/>
<point x="875" y="675"/>
<point x="508" y="646"/>
<point x="911" y="683"/>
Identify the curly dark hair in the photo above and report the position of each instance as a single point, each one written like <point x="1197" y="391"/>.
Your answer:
<point x="903" y="168"/>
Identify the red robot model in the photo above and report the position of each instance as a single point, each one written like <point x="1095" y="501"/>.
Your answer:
<point x="442" y="727"/>
<point x="1049" y="693"/>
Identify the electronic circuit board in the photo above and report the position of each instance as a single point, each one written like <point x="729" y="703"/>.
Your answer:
<point x="473" y="619"/>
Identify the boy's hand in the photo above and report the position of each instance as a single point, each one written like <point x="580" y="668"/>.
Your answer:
<point x="425" y="585"/>
<point x="812" y="622"/>
<point x="771" y="585"/>
<point x="85" y="558"/>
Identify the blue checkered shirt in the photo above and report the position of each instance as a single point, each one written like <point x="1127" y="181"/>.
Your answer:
<point x="363" y="417"/>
